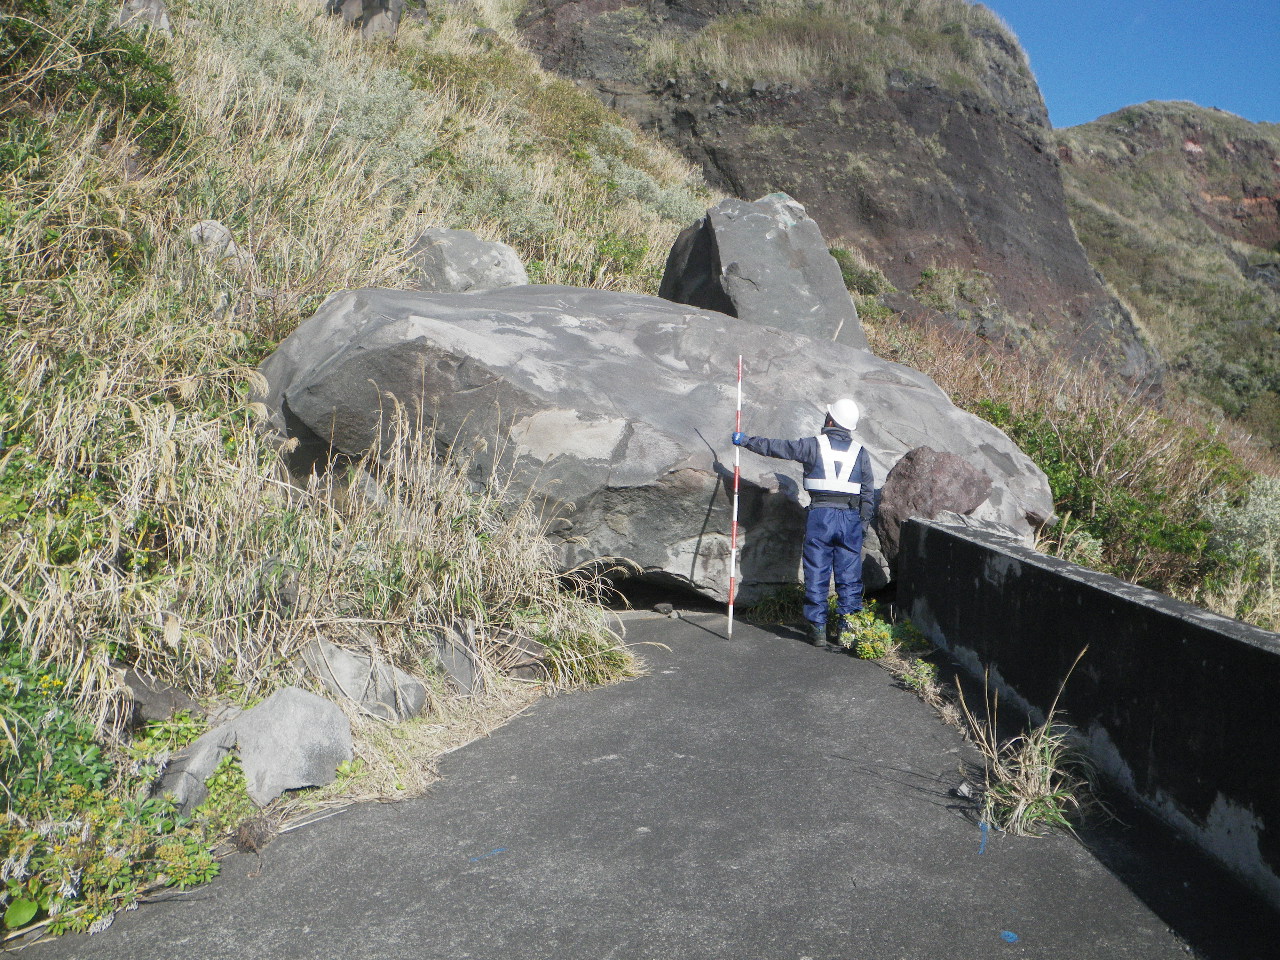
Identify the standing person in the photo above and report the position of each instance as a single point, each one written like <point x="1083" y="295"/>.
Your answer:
<point x="837" y="475"/>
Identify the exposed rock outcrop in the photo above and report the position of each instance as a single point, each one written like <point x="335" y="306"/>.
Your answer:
<point x="613" y="412"/>
<point x="765" y="262"/>
<point x="922" y="173"/>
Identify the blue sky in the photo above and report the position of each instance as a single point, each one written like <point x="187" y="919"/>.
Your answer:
<point x="1095" y="56"/>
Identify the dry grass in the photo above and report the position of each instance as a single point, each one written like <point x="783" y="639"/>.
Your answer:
<point x="797" y="41"/>
<point x="1133" y="481"/>
<point x="152" y="522"/>
<point x="1035" y="778"/>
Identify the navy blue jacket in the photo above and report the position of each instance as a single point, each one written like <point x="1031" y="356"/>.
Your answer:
<point x="806" y="452"/>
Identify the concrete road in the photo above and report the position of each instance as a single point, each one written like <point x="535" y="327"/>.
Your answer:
<point x="746" y="799"/>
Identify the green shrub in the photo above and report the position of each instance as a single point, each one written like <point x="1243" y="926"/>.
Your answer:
<point x="76" y="843"/>
<point x="1151" y="528"/>
<point x="859" y="276"/>
<point x="92" y="62"/>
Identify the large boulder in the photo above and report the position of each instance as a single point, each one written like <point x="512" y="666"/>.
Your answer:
<point x="612" y="411"/>
<point x="766" y="262"/>
<point x="924" y="484"/>
<point x="457" y="261"/>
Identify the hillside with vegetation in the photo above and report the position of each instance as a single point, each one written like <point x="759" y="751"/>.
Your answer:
<point x="913" y="133"/>
<point x="1179" y="207"/>
<point x="146" y="519"/>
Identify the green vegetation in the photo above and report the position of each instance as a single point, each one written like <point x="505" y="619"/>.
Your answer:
<point x="1169" y="200"/>
<point x="145" y="519"/>
<point x="80" y="839"/>
<point x="860" y="43"/>
<point x="950" y="289"/>
<point x="866" y="283"/>
<point x="1249" y="534"/>
<point x="1038" y="778"/>
<point x="1136" y="488"/>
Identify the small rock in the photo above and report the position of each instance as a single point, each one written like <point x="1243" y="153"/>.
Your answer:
<point x="153" y="700"/>
<point x="292" y="739"/>
<point x="215" y="241"/>
<point x="456" y="653"/>
<point x="145" y="15"/>
<point x="665" y="609"/>
<point x="380" y="689"/>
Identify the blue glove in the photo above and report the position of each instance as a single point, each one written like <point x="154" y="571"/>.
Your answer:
<point x="739" y="438"/>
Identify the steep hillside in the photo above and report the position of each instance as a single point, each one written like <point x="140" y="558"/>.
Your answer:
<point x="146" y="523"/>
<point x="1179" y="207"/>
<point x="914" y="133"/>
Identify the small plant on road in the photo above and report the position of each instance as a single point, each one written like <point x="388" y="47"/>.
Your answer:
<point x="1035" y="779"/>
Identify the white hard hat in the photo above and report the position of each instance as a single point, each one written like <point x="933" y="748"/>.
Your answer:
<point x="844" y="412"/>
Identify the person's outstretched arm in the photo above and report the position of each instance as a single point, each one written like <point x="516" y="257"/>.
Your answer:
<point x="802" y="450"/>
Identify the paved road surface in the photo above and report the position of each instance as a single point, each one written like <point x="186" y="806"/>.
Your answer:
<point x="753" y="799"/>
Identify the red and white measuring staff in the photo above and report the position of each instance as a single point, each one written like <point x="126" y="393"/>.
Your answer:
<point x="733" y="530"/>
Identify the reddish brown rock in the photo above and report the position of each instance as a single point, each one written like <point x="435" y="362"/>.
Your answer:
<point x="924" y="484"/>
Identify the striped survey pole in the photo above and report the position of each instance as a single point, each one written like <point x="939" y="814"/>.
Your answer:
<point x="733" y="529"/>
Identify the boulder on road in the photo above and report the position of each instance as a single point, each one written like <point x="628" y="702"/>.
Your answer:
<point x="612" y="411"/>
<point x="765" y="262"/>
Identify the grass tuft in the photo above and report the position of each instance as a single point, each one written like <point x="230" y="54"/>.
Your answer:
<point x="1035" y="779"/>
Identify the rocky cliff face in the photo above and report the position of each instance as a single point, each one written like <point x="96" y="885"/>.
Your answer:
<point x="940" y="169"/>
<point x="1179" y="207"/>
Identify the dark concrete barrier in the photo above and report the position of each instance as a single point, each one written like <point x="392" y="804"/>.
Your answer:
<point x="1178" y="707"/>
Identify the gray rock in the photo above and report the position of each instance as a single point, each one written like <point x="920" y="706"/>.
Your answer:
<point x="612" y="411"/>
<point x="153" y="700"/>
<point x="145" y="15"/>
<point x="380" y="689"/>
<point x="457" y="261"/>
<point x="456" y="653"/>
<point x="292" y="739"/>
<point x="214" y="240"/>
<point x="924" y="483"/>
<point x="381" y="18"/>
<point x="765" y="262"/>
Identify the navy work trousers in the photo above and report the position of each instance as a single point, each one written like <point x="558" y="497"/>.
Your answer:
<point x="832" y="541"/>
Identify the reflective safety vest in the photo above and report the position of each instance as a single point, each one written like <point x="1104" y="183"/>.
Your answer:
<point x="837" y="468"/>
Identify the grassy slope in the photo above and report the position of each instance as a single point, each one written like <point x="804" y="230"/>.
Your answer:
<point x="855" y="41"/>
<point x="143" y="517"/>
<point x="1134" y="191"/>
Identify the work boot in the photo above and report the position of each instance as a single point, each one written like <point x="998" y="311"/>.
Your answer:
<point x="818" y="635"/>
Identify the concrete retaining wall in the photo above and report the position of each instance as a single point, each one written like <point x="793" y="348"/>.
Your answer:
<point x="1180" y="707"/>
